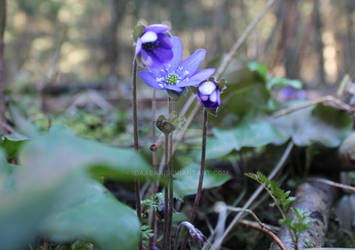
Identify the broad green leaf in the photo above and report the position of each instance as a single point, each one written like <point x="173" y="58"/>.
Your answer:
<point x="52" y="181"/>
<point x="23" y="209"/>
<point x="60" y="151"/>
<point x="319" y="124"/>
<point x="283" y="82"/>
<point x="95" y="216"/>
<point x="249" y="133"/>
<point x="186" y="180"/>
<point x="21" y="123"/>
<point x="260" y="69"/>
<point x="12" y="144"/>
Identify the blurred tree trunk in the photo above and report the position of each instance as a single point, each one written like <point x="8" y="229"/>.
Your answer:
<point x="2" y="70"/>
<point x="318" y="39"/>
<point x="110" y="41"/>
<point x="289" y="30"/>
<point x="349" y="53"/>
<point x="287" y="49"/>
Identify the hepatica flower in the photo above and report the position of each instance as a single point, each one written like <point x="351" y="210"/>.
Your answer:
<point x="154" y="45"/>
<point x="177" y="74"/>
<point x="209" y="94"/>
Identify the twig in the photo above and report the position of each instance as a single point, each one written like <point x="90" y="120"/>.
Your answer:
<point x="272" y="228"/>
<point x="277" y="168"/>
<point x="334" y="184"/>
<point x="322" y="99"/>
<point x="265" y="230"/>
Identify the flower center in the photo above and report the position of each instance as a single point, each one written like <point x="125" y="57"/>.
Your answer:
<point x="150" y="46"/>
<point x="172" y="79"/>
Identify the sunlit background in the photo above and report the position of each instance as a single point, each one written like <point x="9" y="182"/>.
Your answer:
<point x="309" y="40"/>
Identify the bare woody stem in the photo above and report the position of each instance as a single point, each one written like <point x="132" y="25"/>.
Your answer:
<point x="202" y="172"/>
<point x="2" y="70"/>
<point x="136" y="143"/>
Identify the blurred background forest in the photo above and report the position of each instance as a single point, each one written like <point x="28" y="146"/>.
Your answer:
<point x="309" y="40"/>
<point x="69" y="62"/>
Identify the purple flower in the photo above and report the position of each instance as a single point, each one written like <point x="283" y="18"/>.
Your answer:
<point x="154" y="46"/>
<point x="209" y="94"/>
<point x="176" y="75"/>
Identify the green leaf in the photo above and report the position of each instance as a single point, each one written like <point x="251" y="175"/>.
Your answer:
<point x="283" y="82"/>
<point x="12" y="144"/>
<point x="21" y="123"/>
<point x="319" y="124"/>
<point x="186" y="180"/>
<point x="95" y="216"/>
<point x="78" y="154"/>
<point x="53" y="184"/>
<point x="260" y="69"/>
<point x="249" y="133"/>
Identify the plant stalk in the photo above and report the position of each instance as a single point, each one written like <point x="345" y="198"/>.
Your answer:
<point x="153" y="222"/>
<point x="2" y="67"/>
<point x="166" y="196"/>
<point x="136" y="142"/>
<point x="171" y="191"/>
<point x="202" y="172"/>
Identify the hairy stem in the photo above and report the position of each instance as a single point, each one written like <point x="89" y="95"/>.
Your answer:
<point x="166" y="196"/>
<point x="136" y="143"/>
<point x="202" y="172"/>
<point x="153" y="224"/>
<point x="2" y="70"/>
<point x="171" y="191"/>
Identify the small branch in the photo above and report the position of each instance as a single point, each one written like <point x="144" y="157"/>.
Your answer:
<point x="271" y="228"/>
<point x="322" y="99"/>
<point x="334" y="184"/>
<point x="277" y="168"/>
<point x="265" y="230"/>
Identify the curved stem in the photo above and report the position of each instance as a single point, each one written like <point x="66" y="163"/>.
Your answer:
<point x="136" y="143"/>
<point x="202" y="172"/>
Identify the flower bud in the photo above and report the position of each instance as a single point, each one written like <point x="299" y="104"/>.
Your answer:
<point x="209" y="94"/>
